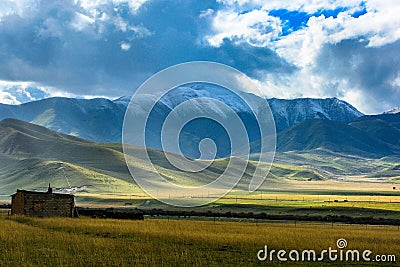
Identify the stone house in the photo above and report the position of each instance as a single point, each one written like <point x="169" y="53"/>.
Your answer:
<point x="43" y="204"/>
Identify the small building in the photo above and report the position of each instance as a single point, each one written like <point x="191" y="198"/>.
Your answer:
<point x="43" y="204"/>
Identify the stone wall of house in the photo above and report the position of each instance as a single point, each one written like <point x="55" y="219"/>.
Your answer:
<point x="44" y="204"/>
<point x="17" y="203"/>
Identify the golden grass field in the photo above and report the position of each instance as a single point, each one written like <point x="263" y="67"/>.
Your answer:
<point x="26" y="241"/>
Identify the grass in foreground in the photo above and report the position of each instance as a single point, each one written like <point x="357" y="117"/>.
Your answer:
<point x="105" y="242"/>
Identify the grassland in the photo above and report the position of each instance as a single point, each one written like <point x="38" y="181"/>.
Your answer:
<point x="160" y="242"/>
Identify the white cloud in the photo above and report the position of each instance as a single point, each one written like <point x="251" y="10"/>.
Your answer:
<point x="206" y="13"/>
<point x="8" y="84"/>
<point x="97" y="15"/>
<point x="50" y="28"/>
<point x="300" y="84"/>
<point x="90" y="15"/>
<point x="21" y="8"/>
<point x="94" y="5"/>
<point x="357" y="98"/>
<point x="309" y="6"/>
<point x="81" y="22"/>
<point x="306" y="83"/>
<point x="255" y="27"/>
<point x="396" y="82"/>
<point x="7" y="98"/>
<point x="15" y="93"/>
<point x="125" y="46"/>
<point x="123" y="25"/>
<point x="54" y="92"/>
<point x="380" y="25"/>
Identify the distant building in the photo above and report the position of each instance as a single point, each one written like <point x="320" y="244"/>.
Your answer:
<point x="43" y="204"/>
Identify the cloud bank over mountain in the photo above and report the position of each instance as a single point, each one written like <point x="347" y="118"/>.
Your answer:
<point x="344" y="49"/>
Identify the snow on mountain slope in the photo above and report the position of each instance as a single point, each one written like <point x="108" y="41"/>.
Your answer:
<point x="393" y="111"/>
<point x="197" y="90"/>
<point x="288" y="113"/>
<point x="101" y="119"/>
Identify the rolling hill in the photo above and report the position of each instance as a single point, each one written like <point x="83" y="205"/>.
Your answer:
<point x="32" y="156"/>
<point x="384" y="126"/>
<point x="362" y="138"/>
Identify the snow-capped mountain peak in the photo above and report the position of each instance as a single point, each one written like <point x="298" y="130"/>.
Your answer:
<point x="393" y="111"/>
<point x="237" y="101"/>
<point x="290" y="112"/>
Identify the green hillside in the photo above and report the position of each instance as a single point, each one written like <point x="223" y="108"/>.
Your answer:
<point x="379" y="129"/>
<point x="32" y="156"/>
<point x="336" y="137"/>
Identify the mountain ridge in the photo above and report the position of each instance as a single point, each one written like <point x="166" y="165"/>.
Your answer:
<point x="100" y="120"/>
<point x="335" y="136"/>
<point x="288" y="113"/>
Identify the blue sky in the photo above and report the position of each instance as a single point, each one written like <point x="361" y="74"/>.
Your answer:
<point x="90" y="48"/>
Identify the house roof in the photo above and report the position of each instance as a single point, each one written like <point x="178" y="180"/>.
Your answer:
<point x="41" y="193"/>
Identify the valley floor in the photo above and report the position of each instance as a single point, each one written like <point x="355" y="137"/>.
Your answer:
<point x="357" y="199"/>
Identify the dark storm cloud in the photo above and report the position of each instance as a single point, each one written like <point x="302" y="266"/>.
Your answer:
<point x="59" y="45"/>
<point x="373" y="70"/>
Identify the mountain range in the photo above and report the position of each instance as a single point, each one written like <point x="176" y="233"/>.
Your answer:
<point x="100" y="120"/>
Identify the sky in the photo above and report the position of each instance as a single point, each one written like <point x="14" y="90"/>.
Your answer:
<point x="107" y="48"/>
